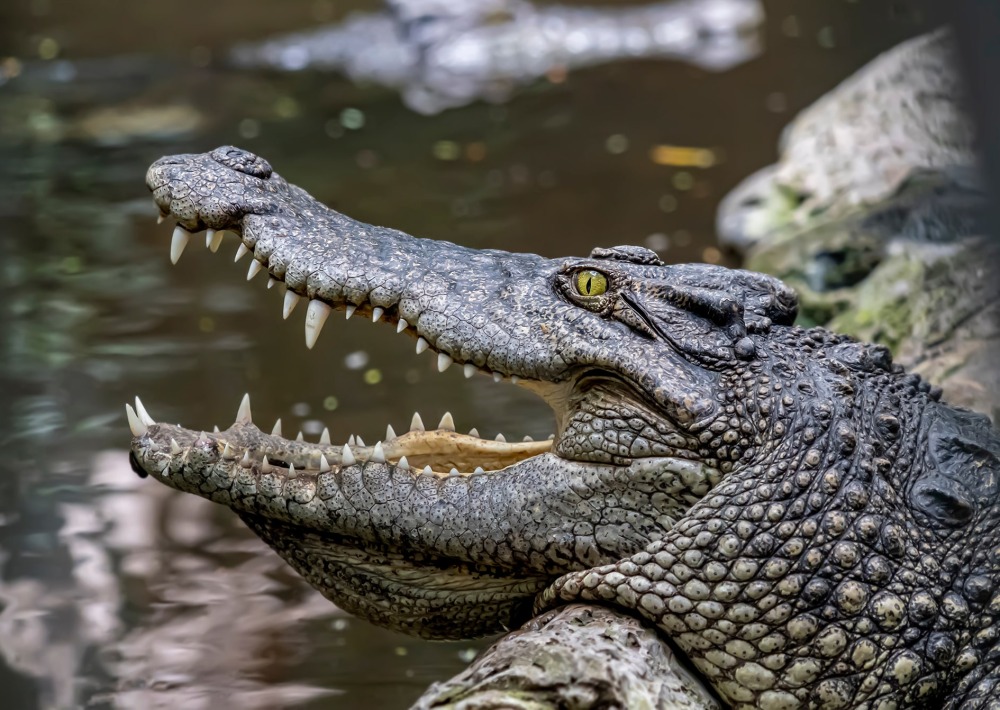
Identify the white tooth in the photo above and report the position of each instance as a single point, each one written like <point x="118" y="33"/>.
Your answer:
<point x="291" y="300"/>
<point x="468" y="370"/>
<point x="497" y="377"/>
<point x="177" y="243"/>
<point x="377" y="314"/>
<point x="174" y="447"/>
<point x="245" y="461"/>
<point x="474" y="432"/>
<point x="346" y="457"/>
<point x="276" y="430"/>
<point x="352" y="441"/>
<point x="454" y="471"/>
<point x="316" y="316"/>
<point x="143" y="414"/>
<point x="515" y="379"/>
<point x="213" y="238"/>
<point x="227" y="451"/>
<point x="500" y="437"/>
<point x="427" y="469"/>
<point x="324" y="438"/>
<point x="403" y="464"/>
<point x="134" y="422"/>
<point x="444" y="362"/>
<point x="160" y="218"/>
<point x="291" y="469"/>
<point x="350" y="310"/>
<point x="378" y="456"/>
<point x="527" y="438"/>
<point x="255" y="267"/>
<point x="265" y="466"/>
<point x="243" y="413"/>
<point x="416" y="424"/>
<point x="324" y="465"/>
<point x="479" y="469"/>
<point x="402" y="325"/>
<point x="241" y="252"/>
<point x="360" y="441"/>
<point x="299" y="437"/>
<point x="447" y="423"/>
<point x="390" y="433"/>
<point x="422" y="344"/>
<point x="215" y="429"/>
<point x="552" y="437"/>
<point x="270" y="282"/>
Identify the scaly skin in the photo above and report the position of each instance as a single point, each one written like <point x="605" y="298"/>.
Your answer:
<point x="848" y="557"/>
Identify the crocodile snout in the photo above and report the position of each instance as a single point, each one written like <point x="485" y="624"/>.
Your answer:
<point x="242" y="160"/>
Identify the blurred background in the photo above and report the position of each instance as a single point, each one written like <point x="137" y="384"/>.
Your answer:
<point x="544" y="127"/>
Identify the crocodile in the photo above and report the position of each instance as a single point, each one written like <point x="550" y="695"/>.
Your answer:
<point x="808" y="523"/>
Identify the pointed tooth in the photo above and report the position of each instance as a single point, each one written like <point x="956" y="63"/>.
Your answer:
<point x="361" y="442"/>
<point x="514" y="379"/>
<point x="352" y="441"/>
<point x="178" y="241"/>
<point x="291" y="300"/>
<point x="245" y="461"/>
<point x="135" y="422"/>
<point x="402" y="325"/>
<point x="390" y="433"/>
<point x="453" y="471"/>
<point x="276" y="429"/>
<point x="527" y="438"/>
<point x="270" y="282"/>
<point x="316" y="316"/>
<point x="227" y="451"/>
<point x="291" y="469"/>
<point x="500" y="437"/>
<point x="299" y="437"/>
<point x="377" y="314"/>
<point x="174" y="447"/>
<point x="468" y="369"/>
<point x="447" y="422"/>
<point x="403" y="464"/>
<point x="497" y="377"/>
<point x="427" y="469"/>
<point x="143" y="414"/>
<point x="479" y="469"/>
<point x="265" y="466"/>
<point x="213" y="239"/>
<point x="255" y="267"/>
<point x="324" y="438"/>
<point x="349" y="311"/>
<point x="241" y="252"/>
<point x="416" y="424"/>
<point x="444" y="362"/>
<point x="474" y="432"/>
<point x="160" y="218"/>
<point x="378" y="456"/>
<point x="324" y="465"/>
<point x="347" y="457"/>
<point x="215" y="429"/>
<point x="243" y="413"/>
<point x="422" y="344"/>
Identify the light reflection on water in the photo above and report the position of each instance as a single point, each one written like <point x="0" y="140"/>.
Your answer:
<point x="116" y="592"/>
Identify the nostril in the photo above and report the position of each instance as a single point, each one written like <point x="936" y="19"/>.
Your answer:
<point x="242" y="160"/>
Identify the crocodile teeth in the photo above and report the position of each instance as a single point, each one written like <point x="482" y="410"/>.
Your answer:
<point x="291" y="301"/>
<point x="351" y="441"/>
<point x="134" y="422"/>
<point x="241" y="252"/>
<point x="422" y="344"/>
<point x="213" y="239"/>
<point x="291" y="469"/>
<point x="361" y="442"/>
<point x="479" y="469"/>
<point x="160" y="218"/>
<point x="447" y="422"/>
<point x="271" y="281"/>
<point x="468" y="369"/>
<point x="416" y="424"/>
<point x="324" y="465"/>
<point x="514" y="379"/>
<point x="427" y="469"/>
<point x="377" y="314"/>
<point x="215" y="429"/>
<point x="175" y="448"/>
<point x="276" y="429"/>
<point x="497" y="377"/>
<point x="316" y="316"/>
<point x="474" y="432"/>
<point x="178" y="241"/>
<point x="453" y="471"/>
<point x="444" y="362"/>
<point x="350" y="310"/>
<point x="402" y="325"/>
<point x="143" y="414"/>
<point x="527" y="438"/>
<point x="390" y="433"/>
<point x="255" y="267"/>
<point x="227" y="451"/>
<point x="500" y="437"/>
<point x="346" y="457"/>
<point x="265" y="466"/>
<point x="243" y="413"/>
<point x="324" y="438"/>
<point x="245" y="461"/>
<point x="403" y="464"/>
<point x="299" y="437"/>
<point x="378" y="456"/>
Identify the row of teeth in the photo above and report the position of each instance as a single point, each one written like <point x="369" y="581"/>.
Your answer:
<point x="139" y="422"/>
<point x="317" y="312"/>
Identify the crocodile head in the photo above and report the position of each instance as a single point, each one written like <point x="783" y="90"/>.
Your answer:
<point x="444" y="534"/>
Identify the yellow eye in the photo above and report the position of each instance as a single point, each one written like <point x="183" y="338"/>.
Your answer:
<point x="591" y="283"/>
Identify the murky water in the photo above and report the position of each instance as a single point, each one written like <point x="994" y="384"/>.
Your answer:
<point x="116" y="592"/>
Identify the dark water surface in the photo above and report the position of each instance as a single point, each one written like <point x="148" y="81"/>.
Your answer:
<point x="116" y="592"/>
